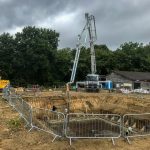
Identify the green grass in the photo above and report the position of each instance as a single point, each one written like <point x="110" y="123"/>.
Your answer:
<point x="14" y="124"/>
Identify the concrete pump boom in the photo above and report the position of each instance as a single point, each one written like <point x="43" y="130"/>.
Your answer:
<point x="90" y="26"/>
<point x="92" y="37"/>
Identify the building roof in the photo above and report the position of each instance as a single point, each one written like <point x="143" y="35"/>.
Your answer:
<point x="135" y="76"/>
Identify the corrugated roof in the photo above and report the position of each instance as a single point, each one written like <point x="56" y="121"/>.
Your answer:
<point x="141" y="76"/>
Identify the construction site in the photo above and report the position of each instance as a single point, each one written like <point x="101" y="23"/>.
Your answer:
<point x="96" y="115"/>
<point x="89" y="118"/>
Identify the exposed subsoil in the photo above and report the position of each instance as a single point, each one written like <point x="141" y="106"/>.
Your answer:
<point x="93" y="102"/>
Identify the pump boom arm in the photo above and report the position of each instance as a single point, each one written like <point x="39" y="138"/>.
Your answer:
<point x="91" y="28"/>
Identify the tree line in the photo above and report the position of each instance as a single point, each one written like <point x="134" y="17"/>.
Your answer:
<point x="32" y="57"/>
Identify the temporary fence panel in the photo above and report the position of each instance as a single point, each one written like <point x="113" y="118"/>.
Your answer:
<point x="13" y="101"/>
<point x="22" y="107"/>
<point x="93" y="126"/>
<point x="27" y="112"/>
<point x="18" y="103"/>
<point x="48" y="120"/>
<point x="136" y="125"/>
<point x="6" y="93"/>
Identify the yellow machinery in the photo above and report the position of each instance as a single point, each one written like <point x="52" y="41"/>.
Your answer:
<point x="3" y="84"/>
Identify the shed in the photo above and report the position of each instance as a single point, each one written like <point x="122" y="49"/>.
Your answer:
<point x="130" y="79"/>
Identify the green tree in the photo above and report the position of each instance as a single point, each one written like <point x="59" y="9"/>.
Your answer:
<point x="35" y="55"/>
<point x="63" y="65"/>
<point x="104" y="59"/>
<point x="131" y="57"/>
<point x="7" y="48"/>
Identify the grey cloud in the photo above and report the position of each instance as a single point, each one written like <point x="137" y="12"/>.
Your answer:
<point x="117" y="21"/>
<point x="27" y="12"/>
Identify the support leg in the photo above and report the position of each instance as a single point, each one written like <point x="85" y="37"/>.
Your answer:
<point x="113" y="141"/>
<point x="128" y="140"/>
<point x="54" y="138"/>
<point x="30" y="129"/>
<point x="70" y="141"/>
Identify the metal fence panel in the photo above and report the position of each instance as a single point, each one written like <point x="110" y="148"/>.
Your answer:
<point x="136" y="125"/>
<point x="49" y="121"/>
<point x="93" y="126"/>
<point x="22" y="107"/>
<point x="27" y="112"/>
<point x="18" y="102"/>
<point x="6" y="93"/>
<point x="13" y="100"/>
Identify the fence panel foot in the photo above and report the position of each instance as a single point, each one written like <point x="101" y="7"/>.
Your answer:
<point x="113" y="141"/>
<point x="54" y="138"/>
<point x="128" y="140"/>
<point x="70" y="141"/>
<point x="30" y="129"/>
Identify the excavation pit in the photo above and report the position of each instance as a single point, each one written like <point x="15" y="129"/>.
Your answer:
<point x="92" y="128"/>
<point x="100" y="123"/>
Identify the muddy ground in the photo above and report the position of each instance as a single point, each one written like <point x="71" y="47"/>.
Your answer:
<point x="14" y="136"/>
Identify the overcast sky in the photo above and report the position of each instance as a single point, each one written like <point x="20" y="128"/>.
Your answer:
<point x="117" y="21"/>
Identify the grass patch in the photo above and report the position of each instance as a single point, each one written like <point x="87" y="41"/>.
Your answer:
<point x="14" y="124"/>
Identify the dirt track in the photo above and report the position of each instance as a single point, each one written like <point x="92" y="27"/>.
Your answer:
<point x="16" y="139"/>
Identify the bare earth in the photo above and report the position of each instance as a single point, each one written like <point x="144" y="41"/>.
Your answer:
<point x="21" y="139"/>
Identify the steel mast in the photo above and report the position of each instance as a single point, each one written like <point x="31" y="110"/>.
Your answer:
<point x="92" y="38"/>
